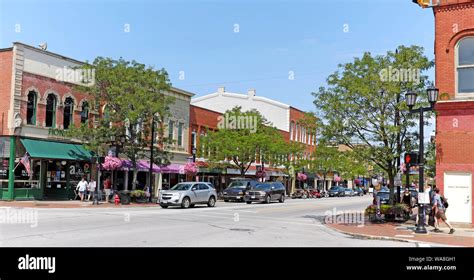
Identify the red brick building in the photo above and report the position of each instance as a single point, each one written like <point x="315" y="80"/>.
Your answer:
<point x="454" y="57"/>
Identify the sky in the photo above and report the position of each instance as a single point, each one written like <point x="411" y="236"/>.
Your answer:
<point x="283" y="49"/>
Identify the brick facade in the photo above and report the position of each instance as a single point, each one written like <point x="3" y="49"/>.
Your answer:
<point x="5" y="88"/>
<point x="454" y="20"/>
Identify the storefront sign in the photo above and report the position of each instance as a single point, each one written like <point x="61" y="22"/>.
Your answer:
<point x="54" y="132"/>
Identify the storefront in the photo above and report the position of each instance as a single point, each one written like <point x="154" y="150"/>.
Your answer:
<point x="55" y="168"/>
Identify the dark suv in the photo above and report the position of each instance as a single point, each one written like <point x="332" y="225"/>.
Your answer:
<point x="237" y="189"/>
<point x="336" y="191"/>
<point x="266" y="192"/>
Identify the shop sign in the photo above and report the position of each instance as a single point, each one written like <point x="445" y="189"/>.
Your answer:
<point x="54" y="132"/>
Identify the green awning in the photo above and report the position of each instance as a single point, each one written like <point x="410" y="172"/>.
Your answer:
<point x="55" y="150"/>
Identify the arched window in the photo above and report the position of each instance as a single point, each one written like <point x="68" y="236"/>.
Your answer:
<point x="465" y="66"/>
<point x="31" y="108"/>
<point x="68" y="112"/>
<point x="51" y="110"/>
<point x="85" y="112"/>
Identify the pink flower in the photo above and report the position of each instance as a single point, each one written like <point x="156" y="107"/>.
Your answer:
<point x="190" y="168"/>
<point x="112" y="163"/>
<point x="301" y="177"/>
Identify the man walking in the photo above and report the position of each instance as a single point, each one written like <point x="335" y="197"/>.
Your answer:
<point x="107" y="188"/>
<point x="439" y="210"/>
<point x="82" y="187"/>
<point x="91" y="188"/>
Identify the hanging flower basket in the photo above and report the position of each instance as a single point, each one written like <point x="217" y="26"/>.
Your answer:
<point x="112" y="163"/>
<point x="261" y="174"/>
<point x="337" y="179"/>
<point x="357" y="182"/>
<point x="190" y="168"/>
<point x="301" y="177"/>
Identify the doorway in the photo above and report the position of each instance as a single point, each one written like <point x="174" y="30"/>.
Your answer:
<point x="458" y="191"/>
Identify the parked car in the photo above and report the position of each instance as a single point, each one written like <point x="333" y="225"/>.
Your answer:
<point x="266" y="192"/>
<point x="348" y="192"/>
<point x="237" y="189"/>
<point x="359" y="191"/>
<point x="384" y="197"/>
<point x="336" y="191"/>
<point x="188" y="194"/>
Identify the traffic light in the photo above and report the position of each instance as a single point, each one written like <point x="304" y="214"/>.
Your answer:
<point x="411" y="158"/>
<point x="422" y="3"/>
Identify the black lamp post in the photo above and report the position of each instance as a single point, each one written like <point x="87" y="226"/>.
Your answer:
<point x="411" y="101"/>
<point x="193" y="151"/>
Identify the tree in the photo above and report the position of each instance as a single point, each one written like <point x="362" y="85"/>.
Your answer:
<point x="130" y="97"/>
<point x="362" y="104"/>
<point x="243" y="137"/>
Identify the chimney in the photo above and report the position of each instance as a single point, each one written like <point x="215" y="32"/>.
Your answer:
<point x="221" y="89"/>
<point x="251" y="93"/>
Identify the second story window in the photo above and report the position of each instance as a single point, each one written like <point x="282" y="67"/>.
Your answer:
<point x="31" y="108"/>
<point x="180" y="134"/>
<point x="68" y="112"/>
<point x="84" y="112"/>
<point x="171" y="131"/>
<point x="51" y="111"/>
<point x="292" y="124"/>
<point x="465" y="66"/>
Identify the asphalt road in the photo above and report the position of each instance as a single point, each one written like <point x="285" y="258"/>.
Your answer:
<point x="293" y="223"/>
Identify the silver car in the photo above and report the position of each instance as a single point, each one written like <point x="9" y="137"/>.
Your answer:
<point x="188" y="194"/>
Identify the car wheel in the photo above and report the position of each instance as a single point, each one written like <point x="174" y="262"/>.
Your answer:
<point x="282" y="198"/>
<point x="163" y="206"/>
<point x="211" y="202"/>
<point x="226" y="200"/>
<point x="186" y="202"/>
<point x="268" y="199"/>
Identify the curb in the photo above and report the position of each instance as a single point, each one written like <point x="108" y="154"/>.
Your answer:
<point x="378" y="237"/>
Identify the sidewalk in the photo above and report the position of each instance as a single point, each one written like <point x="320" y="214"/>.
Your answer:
<point x="463" y="236"/>
<point x="69" y="204"/>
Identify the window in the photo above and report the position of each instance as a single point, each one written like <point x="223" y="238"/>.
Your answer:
<point x="292" y="124"/>
<point x="68" y="112"/>
<point x="85" y="112"/>
<point x="180" y="134"/>
<point x="170" y="130"/>
<point x="31" y="108"/>
<point x="51" y="110"/>
<point x="203" y="187"/>
<point x="296" y="132"/>
<point x="193" y="139"/>
<point x="465" y="66"/>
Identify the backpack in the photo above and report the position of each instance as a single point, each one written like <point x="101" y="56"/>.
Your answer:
<point x="444" y="201"/>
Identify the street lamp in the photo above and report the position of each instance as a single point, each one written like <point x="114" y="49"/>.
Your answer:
<point x="411" y="100"/>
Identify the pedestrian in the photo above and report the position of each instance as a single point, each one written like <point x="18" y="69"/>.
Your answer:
<point x="439" y="209"/>
<point x="406" y="198"/>
<point x="82" y="188"/>
<point x="91" y="189"/>
<point x="107" y="188"/>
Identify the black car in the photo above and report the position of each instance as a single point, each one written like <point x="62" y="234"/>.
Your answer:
<point x="336" y="191"/>
<point x="358" y="191"/>
<point x="237" y="189"/>
<point x="384" y="197"/>
<point x="266" y="192"/>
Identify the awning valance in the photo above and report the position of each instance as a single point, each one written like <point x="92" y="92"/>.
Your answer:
<point x="55" y="150"/>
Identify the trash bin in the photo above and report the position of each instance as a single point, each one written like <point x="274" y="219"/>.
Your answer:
<point x="124" y="199"/>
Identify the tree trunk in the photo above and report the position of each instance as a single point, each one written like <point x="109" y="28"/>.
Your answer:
<point x="134" y="181"/>
<point x="391" y="177"/>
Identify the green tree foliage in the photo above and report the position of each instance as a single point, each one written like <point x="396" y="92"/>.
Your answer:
<point x="363" y="107"/>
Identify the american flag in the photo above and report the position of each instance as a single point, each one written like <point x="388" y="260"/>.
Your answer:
<point x="25" y="160"/>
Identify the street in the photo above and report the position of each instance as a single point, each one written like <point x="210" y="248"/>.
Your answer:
<point x="297" y="222"/>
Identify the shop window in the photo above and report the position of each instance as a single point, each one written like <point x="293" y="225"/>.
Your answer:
<point x="51" y="110"/>
<point x="465" y="66"/>
<point x="85" y="112"/>
<point x="31" y="108"/>
<point x="68" y="112"/>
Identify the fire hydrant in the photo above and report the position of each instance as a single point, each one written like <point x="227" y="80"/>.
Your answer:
<point x="117" y="199"/>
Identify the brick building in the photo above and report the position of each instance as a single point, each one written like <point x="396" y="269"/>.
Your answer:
<point x="206" y="110"/>
<point x="454" y="57"/>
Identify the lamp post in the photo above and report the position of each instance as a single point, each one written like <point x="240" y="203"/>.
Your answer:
<point x="411" y="101"/>
<point x="150" y="171"/>
<point x="193" y="151"/>
<point x="407" y="165"/>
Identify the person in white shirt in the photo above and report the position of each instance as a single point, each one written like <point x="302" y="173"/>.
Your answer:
<point x="82" y="188"/>
<point x="91" y="189"/>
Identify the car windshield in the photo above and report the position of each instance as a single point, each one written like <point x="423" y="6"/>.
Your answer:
<point x="347" y="189"/>
<point x="384" y="195"/>
<point x="181" y="187"/>
<point x="237" y="185"/>
<point x="262" y="187"/>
